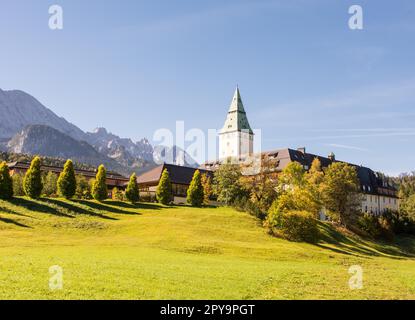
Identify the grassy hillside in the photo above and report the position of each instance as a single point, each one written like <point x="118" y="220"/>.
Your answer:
<point x="120" y="251"/>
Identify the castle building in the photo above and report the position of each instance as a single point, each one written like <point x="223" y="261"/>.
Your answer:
<point x="236" y="138"/>
<point x="236" y="141"/>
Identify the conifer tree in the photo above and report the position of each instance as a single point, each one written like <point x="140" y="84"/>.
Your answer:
<point x="99" y="186"/>
<point x="67" y="181"/>
<point x="195" y="194"/>
<point x="164" y="189"/>
<point x="6" y="182"/>
<point x="32" y="182"/>
<point x="132" y="192"/>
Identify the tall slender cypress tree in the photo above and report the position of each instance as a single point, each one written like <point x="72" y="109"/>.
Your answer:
<point x="6" y="182"/>
<point x="132" y="192"/>
<point x="99" y="187"/>
<point x="164" y="189"/>
<point x="67" y="181"/>
<point x="32" y="182"/>
<point x="195" y="193"/>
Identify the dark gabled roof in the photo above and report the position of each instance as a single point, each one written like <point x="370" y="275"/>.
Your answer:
<point x="370" y="181"/>
<point x="58" y="169"/>
<point x="178" y="174"/>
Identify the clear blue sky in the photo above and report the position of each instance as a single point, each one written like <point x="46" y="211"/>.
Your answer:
<point x="306" y="79"/>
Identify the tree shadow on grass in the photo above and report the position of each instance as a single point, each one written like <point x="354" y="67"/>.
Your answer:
<point x="11" y="221"/>
<point x="138" y="205"/>
<point x="68" y="206"/>
<point x="10" y="211"/>
<point x="103" y="206"/>
<point x="37" y="205"/>
<point x="346" y="245"/>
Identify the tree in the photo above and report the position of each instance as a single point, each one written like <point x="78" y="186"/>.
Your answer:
<point x="314" y="178"/>
<point x="408" y="207"/>
<point x="340" y="193"/>
<point x="295" y="193"/>
<point x="50" y="181"/>
<point x="406" y="185"/>
<point x="195" y="194"/>
<point x="67" y="181"/>
<point x="132" y="193"/>
<point x="207" y="188"/>
<point x="32" y="181"/>
<point x="99" y="186"/>
<point x="6" y="182"/>
<point x="261" y="186"/>
<point x="164" y="189"/>
<point x="293" y="175"/>
<point x="227" y="184"/>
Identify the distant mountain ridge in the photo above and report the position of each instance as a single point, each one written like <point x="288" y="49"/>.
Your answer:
<point x="19" y="109"/>
<point x="49" y="142"/>
<point x="26" y="126"/>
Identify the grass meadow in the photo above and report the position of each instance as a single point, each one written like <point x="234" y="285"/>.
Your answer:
<point x="115" y="250"/>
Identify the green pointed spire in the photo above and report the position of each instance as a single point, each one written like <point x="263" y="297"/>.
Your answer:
<point x="236" y="119"/>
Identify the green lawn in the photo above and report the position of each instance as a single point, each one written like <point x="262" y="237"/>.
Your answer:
<point x="119" y="251"/>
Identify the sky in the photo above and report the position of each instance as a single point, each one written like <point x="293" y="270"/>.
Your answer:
<point x="305" y="77"/>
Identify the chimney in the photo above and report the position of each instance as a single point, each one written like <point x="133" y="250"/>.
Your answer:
<point x="302" y="150"/>
<point x="332" y="157"/>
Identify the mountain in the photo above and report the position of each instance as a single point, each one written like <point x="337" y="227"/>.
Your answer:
<point x="173" y="155"/>
<point x="27" y="126"/>
<point x="47" y="141"/>
<point x="19" y="109"/>
<point x="136" y="154"/>
<point x="119" y="148"/>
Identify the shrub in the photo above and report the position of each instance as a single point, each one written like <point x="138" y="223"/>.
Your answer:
<point x="147" y="197"/>
<point x="99" y="187"/>
<point x="378" y="227"/>
<point x="67" y="181"/>
<point x="254" y="210"/>
<point x="292" y="225"/>
<point x="83" y="189"/>
<point x="240" y="203"/>
<point x="18" y="185"/>
<point x="6" y="182"/>
<point x="49" y="184"/>
<point x="131" y="193"/>
<point x="32" y="181"/>
<point x="117" y="194"/>
<point x="299" y="226"/>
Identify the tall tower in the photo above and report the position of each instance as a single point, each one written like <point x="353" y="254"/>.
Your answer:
<point x="236" y="138"/>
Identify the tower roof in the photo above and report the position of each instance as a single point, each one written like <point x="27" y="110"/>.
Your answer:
<point x="236" y="119"/>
